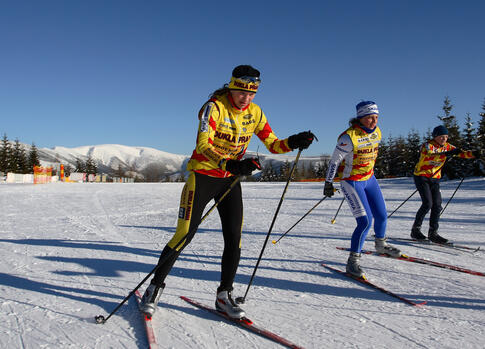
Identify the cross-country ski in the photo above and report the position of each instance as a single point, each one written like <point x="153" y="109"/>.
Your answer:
<point x="245" y="323"/>
<point x="422" y="261"/>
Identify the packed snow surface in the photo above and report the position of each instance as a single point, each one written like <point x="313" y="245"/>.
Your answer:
<point x="71" y="251"/>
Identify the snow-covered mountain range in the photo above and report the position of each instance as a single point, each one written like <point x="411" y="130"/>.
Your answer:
<point x="112" y="157"/>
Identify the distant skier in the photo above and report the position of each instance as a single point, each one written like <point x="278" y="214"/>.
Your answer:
<point x="226" y="124"/>
<point x="357" y="149"/>
<point x="427" y="174"/>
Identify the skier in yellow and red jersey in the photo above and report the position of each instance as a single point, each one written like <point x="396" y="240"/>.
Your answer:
<point x="427" y="174"/>
<point x="227" y="123"/>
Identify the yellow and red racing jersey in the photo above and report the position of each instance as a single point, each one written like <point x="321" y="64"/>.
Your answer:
<point x="225" y="132"/>
<point x="432" y="158"/>
<point x="356" y="153"/>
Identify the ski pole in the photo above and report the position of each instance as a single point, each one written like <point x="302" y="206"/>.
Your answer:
<point x="100" y="319"/>
<point x="439" y="169"/>
<point x="409" y="197"/>
<point x="306" y="214"/>
<point x="241" y="300"/>
<point x="338" y="210"/>
<point x="443" y="210"/>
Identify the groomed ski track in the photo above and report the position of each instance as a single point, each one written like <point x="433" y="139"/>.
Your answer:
<point x="72" y="251"/>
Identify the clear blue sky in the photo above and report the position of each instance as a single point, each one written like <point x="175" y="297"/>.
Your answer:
<point x="76" y="73"/>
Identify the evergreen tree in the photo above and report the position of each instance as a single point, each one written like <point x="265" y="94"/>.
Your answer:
<point x="468" y="166"/>
<point x="5" y="155"/>
<point x="284" y="171"/>
<point x="469" y="133"/>
<point x="454" y="167"/>
<point x="413" y="145"/>
<point x="381" y="167"/>
<point x="80" y="166"/>
<point x="33" y="158"/>
<point x="480" y="134"/>
<point x="449" y="121"/>
<point x="18" y="158"/>
<point x="90" y="165"/>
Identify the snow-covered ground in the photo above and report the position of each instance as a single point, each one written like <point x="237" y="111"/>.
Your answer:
<point x="70" y="252"/>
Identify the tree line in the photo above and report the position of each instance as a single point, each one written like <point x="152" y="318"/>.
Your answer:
<point x="14" y="157"/>
<point x="399" y="155"/>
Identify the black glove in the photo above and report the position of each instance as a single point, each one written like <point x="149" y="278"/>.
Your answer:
<point x="453" y="152"/>
<point x="243" y="167"/>
<point x="477" y="153"/>
<point x="301" y="140"/>
<point x="328" y="189"/>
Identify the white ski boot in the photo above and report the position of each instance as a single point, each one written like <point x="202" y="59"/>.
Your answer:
<point x="150" y="299"/>
<point x="353" y="266"/>
<point x="225" y="304"/>
<point x="383" y="247"/>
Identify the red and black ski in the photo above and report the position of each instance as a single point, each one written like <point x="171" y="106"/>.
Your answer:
<point x="374" y="286"/>
<point x="428" y="242"/>
<point x="245" y="323"/>
<point x="423" y="261"/>
<point x="152" y="343"/>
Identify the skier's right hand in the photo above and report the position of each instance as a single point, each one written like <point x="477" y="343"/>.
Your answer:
<point x="328" y="189"/>
<point x="243" y="167"/>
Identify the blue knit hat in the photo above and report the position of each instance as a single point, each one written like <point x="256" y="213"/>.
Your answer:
<point x="439" y="131"/>
<point x="366" y="108"/>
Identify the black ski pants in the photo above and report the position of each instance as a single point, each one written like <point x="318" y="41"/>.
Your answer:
<point x="429" y="190"/>
<point x="198" y="191"/>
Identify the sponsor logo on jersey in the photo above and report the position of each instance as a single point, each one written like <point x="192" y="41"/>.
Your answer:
<point x="248" y="116"/>
<point x="231" y="138"/>
<point x="204" y="121"/>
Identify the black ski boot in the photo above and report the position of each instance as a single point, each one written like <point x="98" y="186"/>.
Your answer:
<point x="416" y="234"/>
<point x="436" y="238"/>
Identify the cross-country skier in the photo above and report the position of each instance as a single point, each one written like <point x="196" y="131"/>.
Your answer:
<point x="226" y="124"/>
<point x="356" y="152"/>
<point x="427" y="174"/>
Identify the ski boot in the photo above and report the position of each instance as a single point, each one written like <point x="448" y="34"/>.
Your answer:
<point x="383" y="247"/>
<point x="416" y="234"/>
<point x="353" y="266"/>
<point x="225" y="304"/>
<point x="436" y="238"/>
<point x="150" y="299"/>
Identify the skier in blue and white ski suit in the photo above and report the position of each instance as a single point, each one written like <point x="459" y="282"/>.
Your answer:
<point x="353" y="162"/>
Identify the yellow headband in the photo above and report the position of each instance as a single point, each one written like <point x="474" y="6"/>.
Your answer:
<point x="244" y="84"/>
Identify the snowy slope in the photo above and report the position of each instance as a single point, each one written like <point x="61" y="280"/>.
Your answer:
<point x="109" y="157"/>
<point x="114" y="155"/>
<point x="71" y="251"/>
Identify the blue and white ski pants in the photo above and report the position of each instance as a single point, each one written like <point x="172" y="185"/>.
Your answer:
<point x="366" y="203"/>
